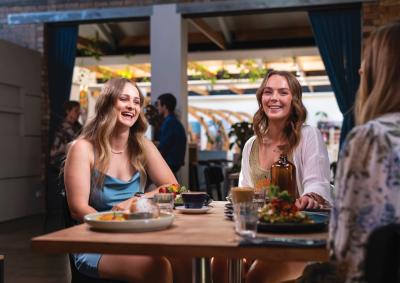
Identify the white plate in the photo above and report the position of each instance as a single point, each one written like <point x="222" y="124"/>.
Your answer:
<point x="134" y="225"/>
<point x="183" y="209"/>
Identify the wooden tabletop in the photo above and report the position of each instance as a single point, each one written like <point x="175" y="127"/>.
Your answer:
<point x="193" y="235"/>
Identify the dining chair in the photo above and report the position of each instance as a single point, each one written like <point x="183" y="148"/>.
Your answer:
<point x="382" y="262"/>
<point x="76" y="276"/>
<point x="1" y="269"/>
<point x="214" y="176"/>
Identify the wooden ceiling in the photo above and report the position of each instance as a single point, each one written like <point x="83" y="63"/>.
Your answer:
<point x="239" y="32"/>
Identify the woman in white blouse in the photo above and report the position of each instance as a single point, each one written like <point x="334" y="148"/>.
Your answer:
<point x="279" y="122"/>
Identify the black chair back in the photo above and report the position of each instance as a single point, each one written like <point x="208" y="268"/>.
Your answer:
<point x="76" y="276"/>
<point x="382" y="263"/>
<point x="214" y="176"/>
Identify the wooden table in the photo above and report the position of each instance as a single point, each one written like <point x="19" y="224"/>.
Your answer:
<point x="196" y="235"/>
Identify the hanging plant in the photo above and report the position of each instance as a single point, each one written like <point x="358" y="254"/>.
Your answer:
<point x="223" y="74"/>
<point x="251" y="70"/>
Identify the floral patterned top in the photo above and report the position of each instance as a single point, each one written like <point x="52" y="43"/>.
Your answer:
<point x="368" y="190"/>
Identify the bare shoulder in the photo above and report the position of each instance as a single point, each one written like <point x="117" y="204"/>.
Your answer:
<point x="81" y="148"/>
<point x="148" y="144"/>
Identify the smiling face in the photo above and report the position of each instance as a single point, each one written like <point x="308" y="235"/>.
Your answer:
<point x="127" y="105"/>
<point x="277" y="98"/>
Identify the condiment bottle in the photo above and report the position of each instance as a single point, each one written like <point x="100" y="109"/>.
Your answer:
<point x="283" y="175"/>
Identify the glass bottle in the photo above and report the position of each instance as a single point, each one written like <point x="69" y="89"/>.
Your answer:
<point x="283" y="175"/>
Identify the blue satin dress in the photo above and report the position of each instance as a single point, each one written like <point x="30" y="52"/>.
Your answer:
<point x="113" y="192"/>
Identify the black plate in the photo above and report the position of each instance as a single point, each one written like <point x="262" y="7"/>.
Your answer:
<point x="320" y="224"/>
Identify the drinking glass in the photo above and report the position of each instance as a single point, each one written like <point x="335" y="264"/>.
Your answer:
<point x="246" y="217"/>
<point x="242" y="194"/>
<point x="259" y="197"/>
<point x="165" y="202"/>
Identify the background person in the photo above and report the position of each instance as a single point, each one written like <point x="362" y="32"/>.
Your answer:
<point x="172" y="133"/>
<point x="66" y="133"/>
<point x="104" y="169"/>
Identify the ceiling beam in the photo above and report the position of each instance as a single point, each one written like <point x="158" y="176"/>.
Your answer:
<point x="105" y="31"/>
<point x="277" y="33"/>
<point x="199" y="90"/>
<point x="250" y="6"/>
<point x="211" y="34"/>
<point x="225" y="30"/>
<point x="235" y="89"/>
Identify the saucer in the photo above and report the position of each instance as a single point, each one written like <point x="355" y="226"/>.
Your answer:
<point x="183" y="209"/>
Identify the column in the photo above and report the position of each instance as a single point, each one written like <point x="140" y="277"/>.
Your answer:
<point x="168" y="48"/>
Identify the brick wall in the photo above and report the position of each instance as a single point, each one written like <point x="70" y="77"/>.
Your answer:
<point x="377" y="14"/>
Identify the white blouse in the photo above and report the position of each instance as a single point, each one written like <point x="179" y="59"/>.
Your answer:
<point x="311" y="160"/>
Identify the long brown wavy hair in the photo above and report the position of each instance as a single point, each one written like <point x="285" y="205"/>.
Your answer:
<point x="379" y="91"/>
<point x="99" y="130"/>
<point x="292" y="129"/>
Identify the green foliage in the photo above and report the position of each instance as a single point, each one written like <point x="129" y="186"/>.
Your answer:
<point x="241" y="132"/>
<point x="251" y="70"/>
<point x="275" y="192"/>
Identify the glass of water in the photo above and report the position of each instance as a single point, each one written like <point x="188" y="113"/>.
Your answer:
<point x="259" y="197"/>
<point x="246" y="217"/>
<point x="165" y="202"/>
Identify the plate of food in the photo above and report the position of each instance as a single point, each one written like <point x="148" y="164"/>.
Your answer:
<point x="123" y="221"/>
<point x="176" y="189"/>
<point x="280" y="215"/>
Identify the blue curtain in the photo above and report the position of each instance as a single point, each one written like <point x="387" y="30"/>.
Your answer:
<point x="338" y="36"/>
<point x="61" y="48"/>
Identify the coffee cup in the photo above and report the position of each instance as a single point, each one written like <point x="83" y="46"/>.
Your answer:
<point x="242" y="194"/>
<point x="195" y="199"/>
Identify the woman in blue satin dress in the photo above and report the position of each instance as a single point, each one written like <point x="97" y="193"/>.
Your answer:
<point x="104" y="169"/>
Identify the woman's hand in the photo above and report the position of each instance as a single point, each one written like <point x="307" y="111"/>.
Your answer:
<point x="125" y="205"/>
<point x="306" y="202"/>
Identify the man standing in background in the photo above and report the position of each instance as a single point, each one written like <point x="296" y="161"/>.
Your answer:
<point x="172" y="133"/>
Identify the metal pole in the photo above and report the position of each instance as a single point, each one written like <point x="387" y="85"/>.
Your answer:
<point x="235" y="270"/>
<point x="201" y="270"/>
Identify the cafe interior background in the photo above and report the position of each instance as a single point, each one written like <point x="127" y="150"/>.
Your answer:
<point x="211" y="55"/>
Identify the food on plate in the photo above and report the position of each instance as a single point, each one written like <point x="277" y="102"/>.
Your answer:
<point x="176" y="189"/>
<point x="282" y="209"/>
<point x="112" y="216"/>
<point x="144" y="206"/>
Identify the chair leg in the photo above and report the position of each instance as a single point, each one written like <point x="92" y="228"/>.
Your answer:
<point x="219" y="192"/>
<point x="1" y="269"/>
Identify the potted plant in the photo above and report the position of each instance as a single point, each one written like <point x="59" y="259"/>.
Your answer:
<point x="240" y="132"/>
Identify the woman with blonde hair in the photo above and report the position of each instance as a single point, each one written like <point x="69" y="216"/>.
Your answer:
<point x="106" y="167"/>
<point x="368" y="175"/>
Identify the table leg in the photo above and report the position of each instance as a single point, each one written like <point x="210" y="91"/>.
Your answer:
<point x="201" y="270"/>
<point x="235" y="266"/>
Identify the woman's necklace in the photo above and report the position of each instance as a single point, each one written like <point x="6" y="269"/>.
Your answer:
<point x="118" y="151"/>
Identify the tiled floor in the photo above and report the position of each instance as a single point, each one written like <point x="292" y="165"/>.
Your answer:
<point x="22" y="265"/>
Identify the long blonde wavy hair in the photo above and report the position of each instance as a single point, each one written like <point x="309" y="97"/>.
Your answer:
<point x="379" y="91"/>
<point x="292" y="129"/>
<point x="99" y="130"/>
